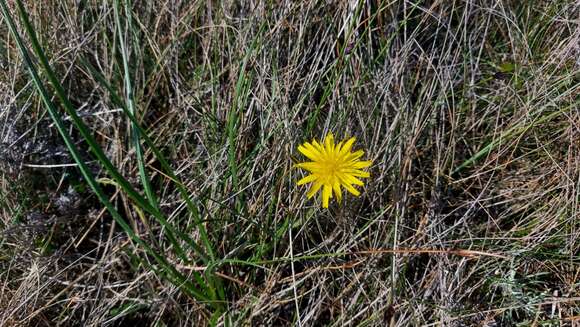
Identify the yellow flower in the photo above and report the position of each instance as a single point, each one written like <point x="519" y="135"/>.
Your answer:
<point x="332" y="166"/>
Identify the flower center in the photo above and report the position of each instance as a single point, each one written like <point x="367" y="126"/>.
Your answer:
<point x="332" y="167"/>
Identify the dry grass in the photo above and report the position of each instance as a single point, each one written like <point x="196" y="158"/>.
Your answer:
<point x="469" y="110"/>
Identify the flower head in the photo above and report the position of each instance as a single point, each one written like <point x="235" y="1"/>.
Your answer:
<point x="333" y="166"/>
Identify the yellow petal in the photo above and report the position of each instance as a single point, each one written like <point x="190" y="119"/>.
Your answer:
<point x="310" y="166"/>
<point x="307" y="179"/>
<point x="338" y="147"/>
<point x="312" y="154"/>
<point x="361" y="164"/>
<point x="344" y="181"/>
<point x="351" y="189"/>
<point x="326" y="194"/>
<point x="347" y="146"/>
<point x="355" y="155"/>
<point x="356" y="172"/>
<point x="353" y="180"/>
<point x="337" y="190"/>
<point x="319" y="147"/>
<point x="329" y="143"/>
<point x="313" y="189"/>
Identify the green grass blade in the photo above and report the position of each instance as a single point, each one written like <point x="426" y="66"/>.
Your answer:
<point x="135" y="137"/>
<point x="171" y="272"/>
<point x="508" y="135"/>
<point x="88" y="137"/>
<point x="162" y="161"/>
<point x="207" y="253"/>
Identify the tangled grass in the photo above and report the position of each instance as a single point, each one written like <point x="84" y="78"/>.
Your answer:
<point x="146" y="153"/>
